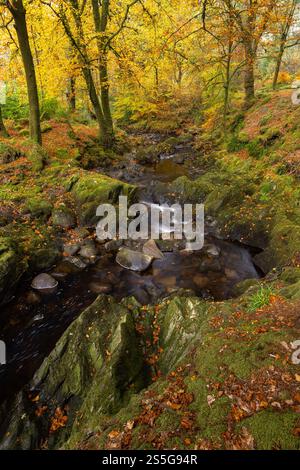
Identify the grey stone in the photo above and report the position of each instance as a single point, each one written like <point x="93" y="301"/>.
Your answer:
<point x="44" y="283"/>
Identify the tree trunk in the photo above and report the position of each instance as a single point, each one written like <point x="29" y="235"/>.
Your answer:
<point x="100" y="22"/>
<point x="3" y="130"/>
<point x="19" y="15"/>
<point x="105" y="135"/>
<point x="227" y="84"/>
<point x="278" y="67"/>
<point x="104" y="85"/>
<point x="72" y="95"/>
<point x="249" y="79"/>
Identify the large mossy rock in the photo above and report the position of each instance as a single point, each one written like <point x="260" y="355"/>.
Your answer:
<point x="193" y="192"/>
<point x="11" y="268"/>
<point x="283" y="246"/>
<point x="63" y="217"/>
<point x="91" y="190"/>
<point x="93" y="370"/>
<point x="180" y="328"/>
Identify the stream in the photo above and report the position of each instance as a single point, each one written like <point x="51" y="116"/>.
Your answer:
<point x="31" y="324"/>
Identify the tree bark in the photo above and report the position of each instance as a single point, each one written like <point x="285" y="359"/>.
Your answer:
<point x="96" y="105"/>
<point x="227" y="83"/>
<point x="100" y="22"/>
<point x="278" y="66"/>
<point x="72" y="94"/>
<point x="18" y="12"/>
<point x="3" y="130"/>
<point x="249" y="77"/>
<point x="283" y="40"/>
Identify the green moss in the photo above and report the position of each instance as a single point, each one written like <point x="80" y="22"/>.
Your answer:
<point x="265" y="120"/>
<point x="255" y="148"/>
<point x="211" y="419"/>
<point x="274" y="430"/>
<point x="290" y="275"/>
<point x="291" y="292"/>
<point x="91" y="190"/>
<point x="235" y="144"/>
<point x="38" y="157"/>
<point x="38" y="207"/>
<point x="193" y="191"/>
<point x="45" y="127"/>
<point x="11" y="267"/>
<point x="244" y="286"/>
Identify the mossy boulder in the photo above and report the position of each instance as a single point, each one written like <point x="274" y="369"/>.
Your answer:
<point x="284" y="244"/>
<point x="193" y="192"/>
<point x="63" y="217"/>
<point x="11" y="268"/>
<point x="44" y="258"/>
<point x="93" y="370"/>
<point x="94" y="156"/>
<point x="92" y="189"/>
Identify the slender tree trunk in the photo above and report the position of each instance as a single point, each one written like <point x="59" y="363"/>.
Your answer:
<point x="3" y="130"/>
<point x="227" y="84"/>
<point x="104" y="136"/>
<point x="249" y="78"/>
<point x="19" y="15"/>
<point x="100" y="22"/>
<point x="156" y="78"/>
<point x="278" y="66"/>
<point x="104" y="85"/>
<point x="283" y="40"/>
<point x="72" y="94"/>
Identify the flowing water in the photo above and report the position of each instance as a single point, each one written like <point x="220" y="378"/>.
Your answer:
<point x="31" y="325"/>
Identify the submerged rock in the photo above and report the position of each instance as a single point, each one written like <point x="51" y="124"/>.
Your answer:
<point x="133" y="260"/>
<point x="32" y="298"/>
<point x="100" y="288"/>
<point x="44" y="283"/>
<point x="71" y="265"/>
